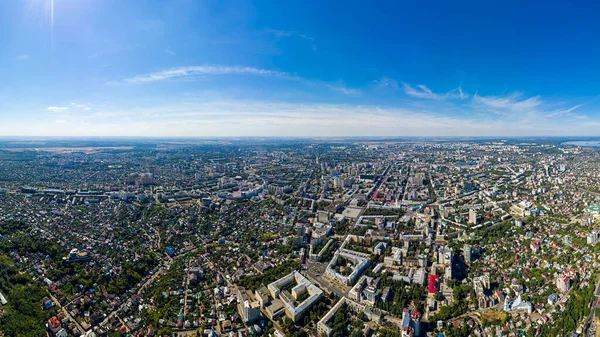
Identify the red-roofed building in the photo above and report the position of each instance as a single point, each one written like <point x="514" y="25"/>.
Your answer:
<point x="53" y="324"/>
<point x="433" y="280"/>
<point x="411" y="323"/>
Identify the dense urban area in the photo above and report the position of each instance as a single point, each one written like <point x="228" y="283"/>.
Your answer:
<point x="299" y="237"/>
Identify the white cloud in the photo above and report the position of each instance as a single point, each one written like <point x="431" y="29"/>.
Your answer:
<point x="85" y="107"/>
<point x="57" y="109"/>
<point x="216" y="70"/>
<point x="343" y="89"/>
<point x="422" y="91"/>
<point x="170" y="52"/>
<point x="292" y="34"/>
<point x="203" y="70"/>
<point x="22" y="57"/>
<point x="206" y="117"/>
<point x="256" y="118"/>
<point x="564" y="112"/>
<point x="513" y="102"/>
<point x="280" y="33"/>
<point x="387" y="83"/>
<point x="530" y="110"/>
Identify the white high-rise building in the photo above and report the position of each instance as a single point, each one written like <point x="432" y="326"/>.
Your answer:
<point x="467" y="253"/>
<point x="472" y="217"/>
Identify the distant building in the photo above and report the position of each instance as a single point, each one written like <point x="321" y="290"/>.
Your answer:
<point x="472" y="217"/>
<point x="467" y="253"/>
<point x="3" y="300"/>
<point x="593" y="237"/>
<point x="518" y="305"/>
<point x="481" y="284"/>
<point x="76" y="255"/>
<point x="54" y="328"/>
<point x="249" y="310"/>
<point x="411" y="323"/>
<point x="299" y="286"/>
<point x="379" y="248"/>
<point x="433" y="284"/>
<point x="593" y="209"/>
<point x="365" y="290"/>
<point x="552" y="299"/>
<point x="563" y="283"/>
<point x="395" y="259"/>
<point x="360" y="264"/>
<point x="170" y="251"/>
<point x="372" y="313"/>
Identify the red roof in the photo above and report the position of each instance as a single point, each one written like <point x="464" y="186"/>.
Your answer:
<point x="54" y="322"/>
<point x="433" y="283"/>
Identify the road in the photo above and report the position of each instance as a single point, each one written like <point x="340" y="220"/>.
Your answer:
<point x="315" y="271"/>
<point x="595" y="299"/>
<point x="68" y="315"/>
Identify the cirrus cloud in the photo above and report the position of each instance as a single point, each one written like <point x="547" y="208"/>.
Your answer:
<point x="57" y="108"/>
<point x="422" y="91"/>
<point x="202" y="70"/>
<point x="217" y="70"/>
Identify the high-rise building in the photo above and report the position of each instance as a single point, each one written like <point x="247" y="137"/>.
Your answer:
<point x="593" y="237"/>
<point x="250" y="311"/>
<point x="467" y="253"/>
<point x="563" y="283"/>
<point x="337" y="182"/>
<point x="472" y="217"/>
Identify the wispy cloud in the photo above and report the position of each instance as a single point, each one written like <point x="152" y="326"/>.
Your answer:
<point x="280" y="33"/>
<point x="387" y="83"/>
<point x="341" y="89"/>
<point x="202" y="70"/>
<point x="22" y="57"/>
<point x="85" y="107"/>
<point x="170" y="52"/>
<point x="57" y="108"/>
<point x="563" y="112"/>
<point x="422" y="91"/>
<point x="204" y="116"/>
<point x="514" y="102"/>
<point x="527" y="109"/>
<point x="293" y="34"/>
<point x="242" y="117"/>
<point x="216" y="70"/>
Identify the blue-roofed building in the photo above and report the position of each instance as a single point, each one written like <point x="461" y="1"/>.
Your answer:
<point x="170" y="251"/>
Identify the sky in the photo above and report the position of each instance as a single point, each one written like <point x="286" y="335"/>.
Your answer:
<point x="201" y="68"/>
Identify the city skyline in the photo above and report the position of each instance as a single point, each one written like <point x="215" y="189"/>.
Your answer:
<point x="234" y="69"/>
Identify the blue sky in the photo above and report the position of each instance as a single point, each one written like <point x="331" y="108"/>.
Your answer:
<point x="299" y="68"/>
